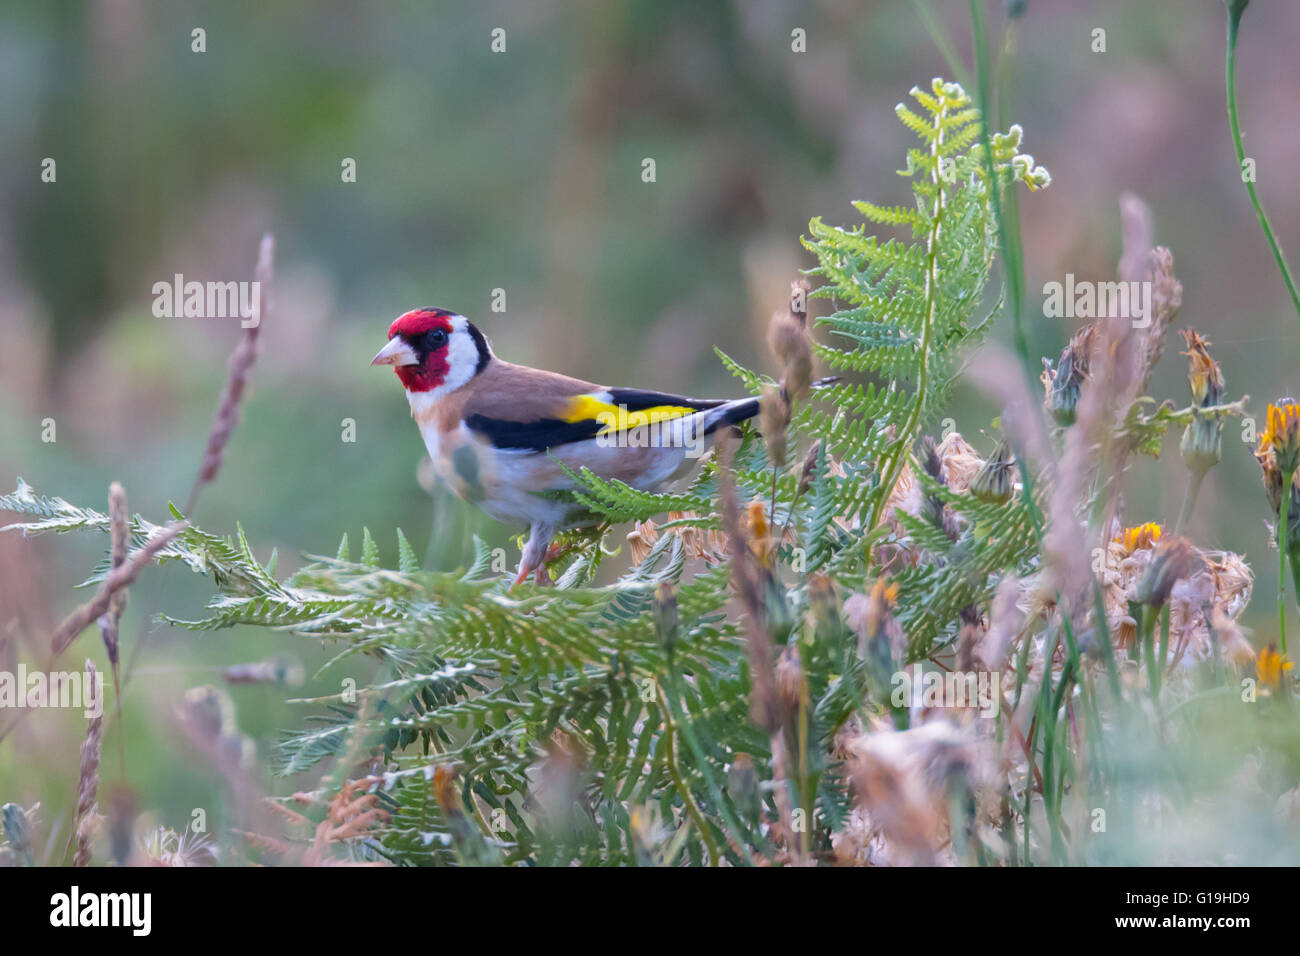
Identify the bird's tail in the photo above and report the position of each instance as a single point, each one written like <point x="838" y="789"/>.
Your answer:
<point x="730" y="413"/>
<point x="743" y="409"/>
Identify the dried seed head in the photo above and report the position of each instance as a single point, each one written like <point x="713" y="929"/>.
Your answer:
<point x="773" y="421"/>
<point x="789" y="677"/>
<point x="787" y="336"/>
<point x="87" y="785"/>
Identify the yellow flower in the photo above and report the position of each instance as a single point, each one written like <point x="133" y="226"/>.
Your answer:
<point x="1141" y="537"/>
<point x="1282" y="435"/>
<point x="1270" y="666"/>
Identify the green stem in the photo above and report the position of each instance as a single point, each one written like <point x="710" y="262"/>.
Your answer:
<point x="1011" y="265"/>
<point x="687" y="798"/>
<point x="897" y="456"/>
<point x="940" y="38"/>
<point x="1162" y="661"/>
<point x="730" y="822"/>
<point x="1146" y="640"/>
<point x="1189" y="499"/>
<point x="1283" y="520"/>
<point x="1235" y="11"/>
<point x="1295" y="579"/>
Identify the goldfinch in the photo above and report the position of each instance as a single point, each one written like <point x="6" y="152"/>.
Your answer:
<point x="495" y="430"/>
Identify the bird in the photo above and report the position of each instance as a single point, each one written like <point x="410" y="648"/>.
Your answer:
<point x="497" y="433"/>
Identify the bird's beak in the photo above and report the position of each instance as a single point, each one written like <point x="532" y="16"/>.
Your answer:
<point x="396" y="352"/>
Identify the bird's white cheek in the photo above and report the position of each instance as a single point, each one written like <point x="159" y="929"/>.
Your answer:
<point x="462" y="360"/>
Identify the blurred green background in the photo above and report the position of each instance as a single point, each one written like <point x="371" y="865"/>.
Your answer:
<point x="521" y="171"/>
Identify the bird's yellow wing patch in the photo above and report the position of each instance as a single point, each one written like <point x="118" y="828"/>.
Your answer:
<point x="618" y="418"/>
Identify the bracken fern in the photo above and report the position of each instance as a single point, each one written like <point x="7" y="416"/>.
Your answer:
<point x="612" y="724"/>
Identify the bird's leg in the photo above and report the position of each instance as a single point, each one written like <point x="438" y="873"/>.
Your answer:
<point x="542" y="575"/>
<point x="533" y="558"/>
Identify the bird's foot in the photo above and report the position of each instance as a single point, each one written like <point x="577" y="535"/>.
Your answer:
<point x="541" y="576"/>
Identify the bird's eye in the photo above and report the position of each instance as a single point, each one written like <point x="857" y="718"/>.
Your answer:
<point x="436" y="339"/>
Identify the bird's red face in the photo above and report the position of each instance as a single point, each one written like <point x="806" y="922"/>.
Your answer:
<point x="434" y="350"/>
<point x="418" y="347"/>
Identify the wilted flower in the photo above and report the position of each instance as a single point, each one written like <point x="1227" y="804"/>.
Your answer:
<point x="1271" y="477"/>
<point x="1202" y="444"/>
<point x="641" y="540"/>
<point x="959" y="462"/>
<point x="706" y="544"/>
<point x="881" y="640"/>
<point x="903" y="782"/>
<point x="1063" y="384"/>
<point x="1173" y="560"/>
<point x="1203" y="372"/>
<point x="995" y="481"/>
<point x="1218" y="588"/>
<point x="165" y="847"/>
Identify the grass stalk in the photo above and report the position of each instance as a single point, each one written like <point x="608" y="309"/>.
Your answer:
<point x="1235" y="9"/>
